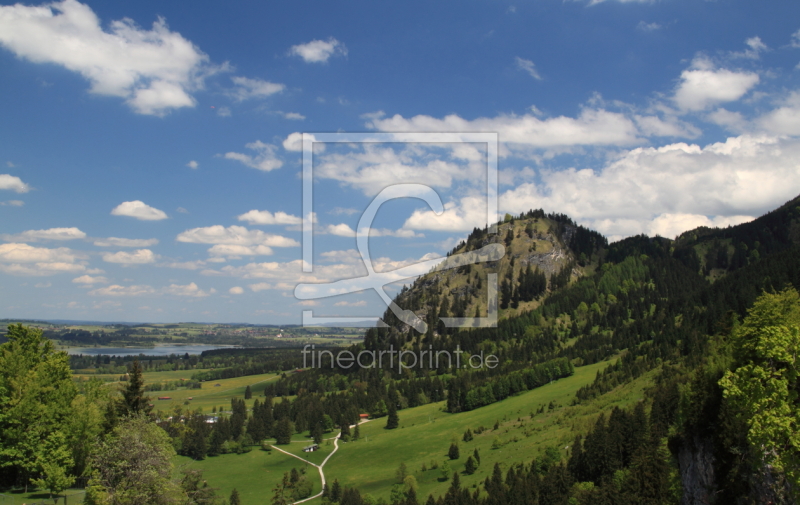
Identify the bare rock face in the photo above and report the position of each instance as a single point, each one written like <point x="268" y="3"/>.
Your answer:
<point x="696" y="463"/>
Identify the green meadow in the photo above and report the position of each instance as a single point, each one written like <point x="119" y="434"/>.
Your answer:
<point x="423" y="438"/>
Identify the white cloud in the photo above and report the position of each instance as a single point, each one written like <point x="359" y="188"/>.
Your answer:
<point x="234" y="235"/>
<point x="12" y="182"/>
<point x="795" y="39"/>
<point x="260" y="286"/>
<point x="13" y="203"/>
<point x="190" y="290"/>
<point x="192" y="164"/>
<point x="89" y="280"/>
<point x="24" y="253"/>
<point x="49" y="234"/>
<point x="236" y="290"/>
<point x="529" y="67"/>
<point x="265" y="158"/>
<point x="154" y="70"/>
<point x="732" y="121"/>
<point x="318" y="51"/>
<point x="23" y="259"/>
<point x="591" y="127"/>
<point x="294" y="142"/>
<point x="669" y="127"/>
<point x="377" y="166"/>
<point x="138" y="257"/>
<point x="236" y="251"/>
<point x="266" y="217"/>
<point x="42" y="284"/>
<point x="224" y="111"/>
<point x="117" y="290"/>
<point x="253" y="88"/>
<point x="703" y="85"/>
<point x="468" y="213"/>
<point x="125" y="242"/>
<point x="785" y="120"/>
<point x="181" y="210"/>
<point x="672" y="225"/>
<point x="340" y="230"/>
<point x="296" y="116"/>
<point x="754" y="48"/>
<point x="732" y="180"/>
<point x="138" y="210"/>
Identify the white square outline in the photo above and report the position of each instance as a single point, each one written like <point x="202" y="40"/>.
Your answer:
<point x="491" y="139"/>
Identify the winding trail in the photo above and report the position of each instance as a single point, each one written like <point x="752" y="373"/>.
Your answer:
<point x="318" y="467"/>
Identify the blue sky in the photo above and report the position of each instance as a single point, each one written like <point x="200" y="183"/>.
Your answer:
<point x="150" y="163"/>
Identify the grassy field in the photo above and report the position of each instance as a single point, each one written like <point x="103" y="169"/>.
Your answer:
<point x="213" y="395"/>
<point x="253" y="474"/>
<point x="424" y="437"/>
<point x="426" y="432"/>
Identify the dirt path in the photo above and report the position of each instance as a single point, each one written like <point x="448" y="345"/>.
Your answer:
<point x="318" y="467"/>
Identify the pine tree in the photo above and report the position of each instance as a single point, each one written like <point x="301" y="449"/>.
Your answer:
<point x="134" y="401"/>
<point x="234" y="499"/>
<point x="316" y="433"/>
<point x="393" y="421"/>
<point x="470" y="466"/>
<point x="248" y="393"/>
<point x="477" y="456"/>
<point x="453" y="453"/>
<point x="356" y="433"/>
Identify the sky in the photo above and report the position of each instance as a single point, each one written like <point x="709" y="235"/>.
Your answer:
<point x="151" y="154"/>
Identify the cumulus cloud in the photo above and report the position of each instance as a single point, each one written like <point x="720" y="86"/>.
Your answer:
<point x="784" y="120"/>
<point x="296" y="116"/>
<point x="236" y="290"/>
<point x="235" y="241"/>
<point x="190" y="290"/>
<point x="529" y="67"/>
<point x="125" y="242"/>
<point x="377" y="166"/>
<point x="754" y="49"/>
<point x="340" y="230"/>
<point x="192" y="164"/>
<point x="138" y="257"/>
<point x="49" y="234"/>
<point x="12" y="182"/>
<point x="13" y="203"/>
<point x="234" y="235"/>
<point x="138" y="210"/>
<point x="294" y="142"/>
<point x="464" y="215"/>
<point x="236" y="251"/>
<point x="118" y="290"/>
<point x="648" y="190"/>
<point x="265" y="158"/>
<point x="23" y="259"/>
<point x="704" y="85"/>
<point x="266" y="217"/>
<point x="591" y="127"/>
<point x="319" y="51"/>
<point x="88" y="280"/>
<point x="184" y="265"/>
<point x="153" y="70"/>
<point x="253" y="88"/>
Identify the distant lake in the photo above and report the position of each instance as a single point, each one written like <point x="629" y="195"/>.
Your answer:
<point x="160" y="350"/>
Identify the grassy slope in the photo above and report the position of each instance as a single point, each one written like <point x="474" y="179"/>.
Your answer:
<point x="425" y="435"/>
